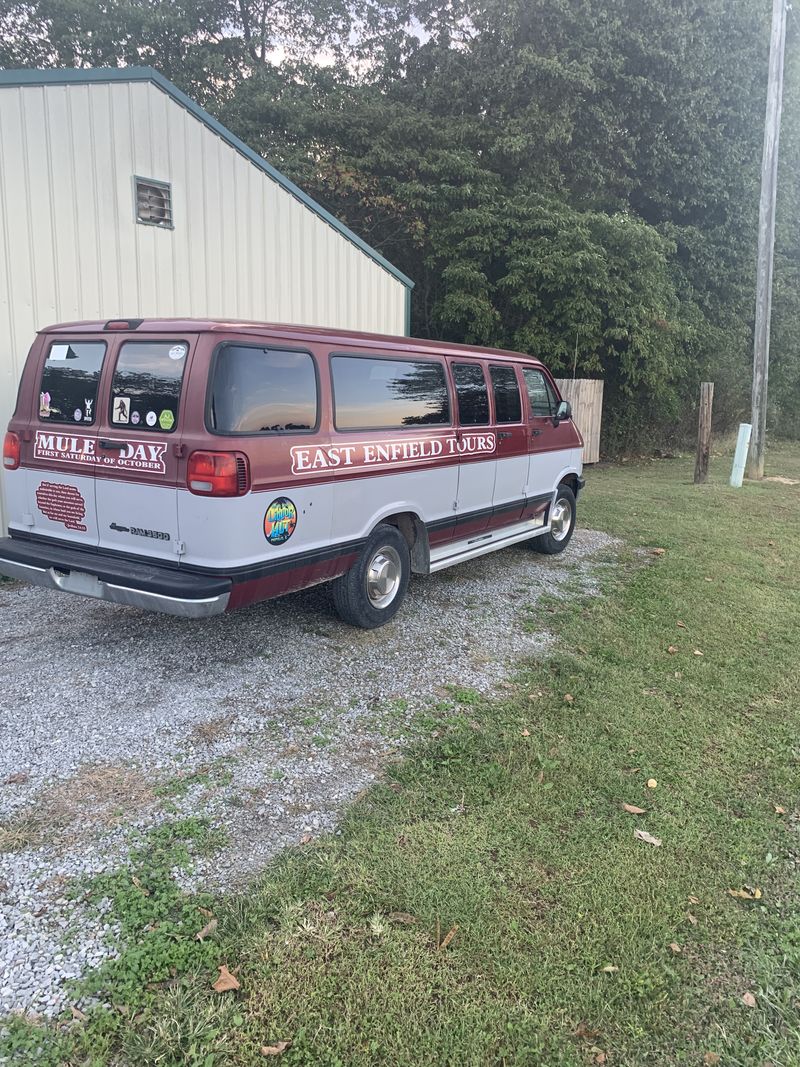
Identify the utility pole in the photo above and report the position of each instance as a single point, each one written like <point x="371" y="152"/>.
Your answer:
<point x="766" y="239"/>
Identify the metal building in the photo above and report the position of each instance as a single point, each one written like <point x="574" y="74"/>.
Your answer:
<point x="121" y="196"/>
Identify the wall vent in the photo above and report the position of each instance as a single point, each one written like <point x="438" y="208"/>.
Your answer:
<point x="153" y="203"/>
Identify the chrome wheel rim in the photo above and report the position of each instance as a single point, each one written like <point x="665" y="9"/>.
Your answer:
<point x="561" y="519"/>
<point x="383" y="577"/>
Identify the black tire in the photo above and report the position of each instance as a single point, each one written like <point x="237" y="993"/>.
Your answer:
<point x="556" y="541"/>
<point x="351" y="592"/>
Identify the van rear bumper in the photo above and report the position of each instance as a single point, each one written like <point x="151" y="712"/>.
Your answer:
<point x="141" y="584"/>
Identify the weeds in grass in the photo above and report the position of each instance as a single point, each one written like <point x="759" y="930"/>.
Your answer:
<point x="157" y="947"/>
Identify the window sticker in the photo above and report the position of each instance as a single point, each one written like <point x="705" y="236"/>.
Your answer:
<point x="44" y="405"/>
<point x="88" y="404"/>
<point x="122" y="409"/>
<point x="135" y="416"/>
<point x="78" y="414"/>
<point x="166" y="420"/>
<point x="280" y="520"/>
<point x="177" y="352"/>
<point x="151" y="418"/>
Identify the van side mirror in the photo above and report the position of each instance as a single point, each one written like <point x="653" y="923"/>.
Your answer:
<point x="563" y="411"/>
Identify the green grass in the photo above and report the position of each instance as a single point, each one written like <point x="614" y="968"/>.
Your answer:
<point x="507" y="823"/>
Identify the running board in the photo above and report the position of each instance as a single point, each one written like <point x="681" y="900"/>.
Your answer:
<point x="459" y="551"/>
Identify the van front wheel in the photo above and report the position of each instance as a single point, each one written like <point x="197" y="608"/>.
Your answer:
<point x="562" y="523"/>
<point x="373" y="590"/>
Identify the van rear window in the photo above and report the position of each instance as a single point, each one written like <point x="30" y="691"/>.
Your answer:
<point x="371" y="394"/>
<point x="146" y="387"/>
<point x="68" y="390"/>
<point x="262" y="390"/>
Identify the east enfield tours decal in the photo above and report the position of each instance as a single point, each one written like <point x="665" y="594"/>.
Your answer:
<point x="307" y="458"/>
<point x="74" y="448"/>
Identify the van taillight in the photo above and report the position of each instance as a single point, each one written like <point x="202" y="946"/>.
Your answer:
<point x="123" y="324"/>
<point x="11" y="451"/>
<point x="218" y="474"/>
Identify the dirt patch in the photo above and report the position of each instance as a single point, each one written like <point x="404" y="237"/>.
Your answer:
<point x="214" y="729"/>
<point x="26" y="831"/>
<point x="108" y="792"/>
<point x="97" y="796"/>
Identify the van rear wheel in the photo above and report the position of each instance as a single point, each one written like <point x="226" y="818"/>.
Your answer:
<point x="562" y="523"/>
<point x="373" y="590"/>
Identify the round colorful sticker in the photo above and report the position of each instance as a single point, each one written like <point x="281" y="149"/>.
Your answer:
<point x="280" y="520"/>
<point x="177" y="352"/>
<point x="166" y="420"/>
<point x="135" y="418"/>
<point x="78" y="414"/>
<point x="151" y="418"/>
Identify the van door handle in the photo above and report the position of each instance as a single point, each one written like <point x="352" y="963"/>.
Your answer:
<point x="535" y="433"/>
<point x="503" y="434"/>
<point x="114" y="444"/>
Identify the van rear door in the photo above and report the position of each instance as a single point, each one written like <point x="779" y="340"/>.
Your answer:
<point x="59" y="454"/>
<point x="139" y="449"/>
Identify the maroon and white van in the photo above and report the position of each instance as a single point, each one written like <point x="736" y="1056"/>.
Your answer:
<point x="194" y="467"/>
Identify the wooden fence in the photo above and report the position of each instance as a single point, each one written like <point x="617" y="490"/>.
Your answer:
<point x="586" y="397"/>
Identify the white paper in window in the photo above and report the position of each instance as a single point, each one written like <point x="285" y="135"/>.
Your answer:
<point x="58" y="352"/>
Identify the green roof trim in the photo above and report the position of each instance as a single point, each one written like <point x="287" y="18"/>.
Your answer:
<point x="71" y="76"/>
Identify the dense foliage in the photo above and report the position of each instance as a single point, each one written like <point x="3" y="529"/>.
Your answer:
<point x="575" y="178"/>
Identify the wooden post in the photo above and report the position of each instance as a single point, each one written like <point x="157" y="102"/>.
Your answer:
<point x="704" y="432"/>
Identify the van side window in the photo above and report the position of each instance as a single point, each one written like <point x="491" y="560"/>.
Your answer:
<point x="68" y="390"/>
<point x="146" y="386"/>
<point x="540" y="394"/>
<point x="372" y="394"/>
<point x="473" y="396"/>
<point x="262" y="390"/>
<point x="507" y="402"/>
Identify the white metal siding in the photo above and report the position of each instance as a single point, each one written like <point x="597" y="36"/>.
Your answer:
<point x="242" y="246"/>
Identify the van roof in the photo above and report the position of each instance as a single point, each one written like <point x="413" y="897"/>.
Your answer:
<point x="292" y="332"/>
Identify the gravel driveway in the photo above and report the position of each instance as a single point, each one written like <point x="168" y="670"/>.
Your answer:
<point x="266" y="721"/>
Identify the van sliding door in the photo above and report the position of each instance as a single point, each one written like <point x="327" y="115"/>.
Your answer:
<point x="476" y="468"/>
<point x="511" y="477"/>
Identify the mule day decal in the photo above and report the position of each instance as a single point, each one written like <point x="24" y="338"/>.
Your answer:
<point x="74" y="448"/>
<point x="387" y="453"/>
<point x="280" y="520"/>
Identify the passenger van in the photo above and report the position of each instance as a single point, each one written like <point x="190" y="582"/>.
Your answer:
<point x="195" y="467"/>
